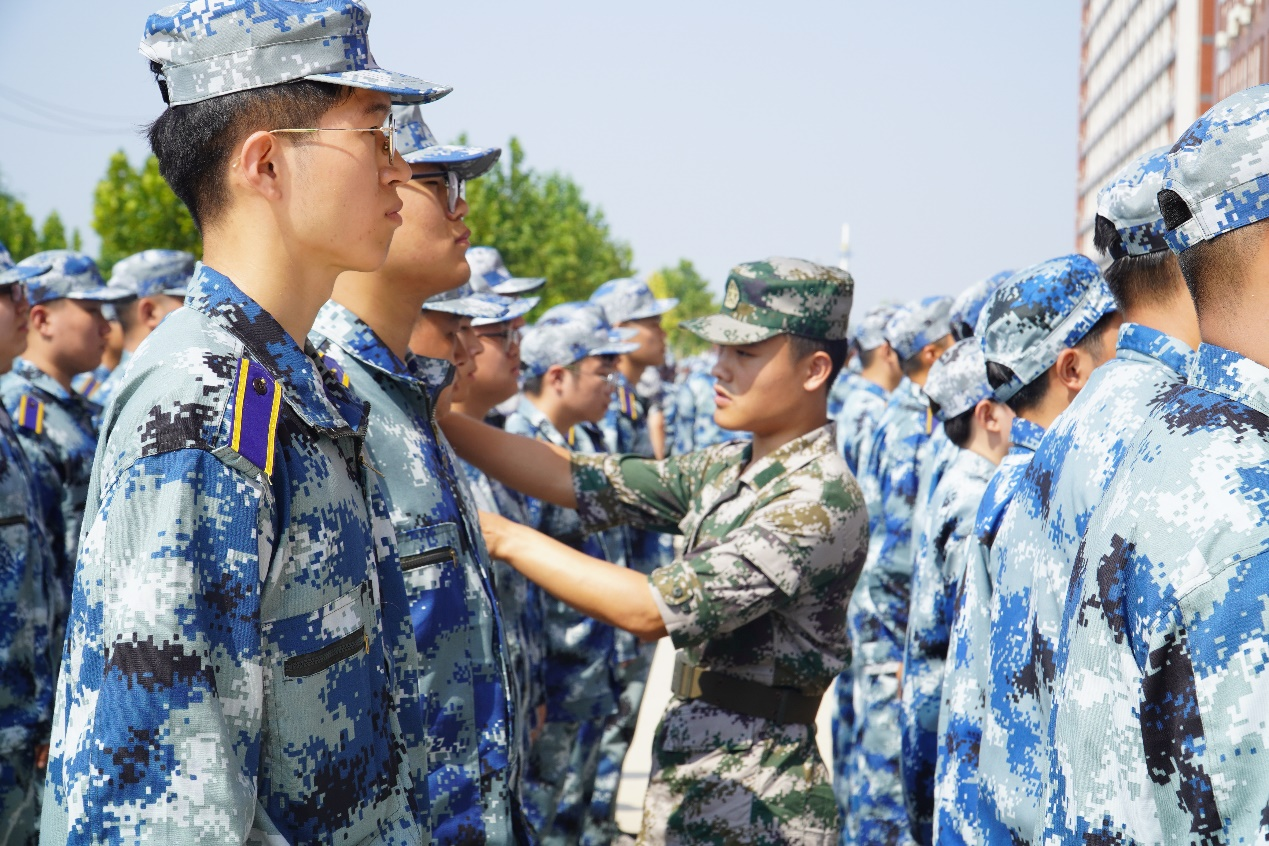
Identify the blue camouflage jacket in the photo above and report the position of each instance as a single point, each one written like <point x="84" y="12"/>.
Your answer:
<point x="862" y="406"/>
<point x="457" y="626"/>
<point x="1159" y="711"/>
<point x="238" y="661"/>
<point x="1035" y="550"/>
<point x="957" y="814"/>
<point x="58" y="433"/>
<point x="879" y="606"/>
<point x="28" y="654"/>
<point x="580" y="686"/>
<point x="939" y="562"/>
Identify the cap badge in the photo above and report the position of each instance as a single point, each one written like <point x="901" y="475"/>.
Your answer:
<point x="732" y="298"/>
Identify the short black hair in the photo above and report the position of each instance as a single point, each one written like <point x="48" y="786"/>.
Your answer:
<point x="867" y="357"/>
<point x="1214" y="269"/>
<point x="127" y="314"/>
<point x="959" y="428"/>
<point x="532" y="386"/>
<point x="195" y="142"/>
<point x="1032" y="394"/>
<point x="1153" y="279"/>
<point x="800" y="346"/>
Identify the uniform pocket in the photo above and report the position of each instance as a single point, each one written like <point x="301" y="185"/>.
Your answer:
<point x="429" y="557"/>
<point x="330" y="762"/>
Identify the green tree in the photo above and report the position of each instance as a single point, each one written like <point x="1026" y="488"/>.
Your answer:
<point x="53" y="234"/>
<point x="695" y="300"/>
<point x="17" y="229"/>
<point x="134" y="210"/>
<point x="542" y="226"/>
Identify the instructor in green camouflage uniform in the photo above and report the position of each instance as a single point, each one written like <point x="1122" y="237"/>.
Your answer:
<point x="776" y="533"/>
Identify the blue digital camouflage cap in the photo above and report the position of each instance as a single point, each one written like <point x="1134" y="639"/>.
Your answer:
<point x="72" y="276"/>
<point x="6" y="260"/>
<point x="918" y="324"/>
<point x="1039" y="312"/>
<point x="778" y="296"/>
<point x="1131" y="203"/>
<point x="208" y="48"/>
<point x="153" y="272"/>
<point x="417" y="145"/>
<point x="588" y="313"/>
<point x="958" y="380"/>
<point x="21" y="274"/>
<point x="486" y="262"/>
<point x="1219" y="169"/>
<point x="629" y="299"/>
<point x="567" y="340"/>
<point x="869" y="331"/>
<point x="513" y="307"/>
<point x="467" y="303"/>
<point x="969" y="304"/>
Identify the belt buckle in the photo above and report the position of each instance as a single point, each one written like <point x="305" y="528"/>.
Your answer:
<point x="686" y="683"/>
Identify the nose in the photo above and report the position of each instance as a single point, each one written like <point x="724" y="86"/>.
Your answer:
<point x="460" y="210"/>
<point x="397" y="173"/>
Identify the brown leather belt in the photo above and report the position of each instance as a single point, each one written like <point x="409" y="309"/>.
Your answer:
<point x="780" y="705"/>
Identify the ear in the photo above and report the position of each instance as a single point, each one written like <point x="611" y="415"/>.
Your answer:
<point x="1072" y="369"/>
<point x="554" y="377"/>
<point x="38" y="318"/>
<point x="815" y="375"/>
<point x="258" y="165"/>
<point x="990" y="415"/>
<point x="145" y="313"/>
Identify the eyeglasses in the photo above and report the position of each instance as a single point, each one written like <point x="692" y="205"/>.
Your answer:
<point x="455" y="186"/>
<point x="509" y="338"/>
<point x="609" y="378"/>
<point x="15" y="291"/>
<point x="388" y="131"/>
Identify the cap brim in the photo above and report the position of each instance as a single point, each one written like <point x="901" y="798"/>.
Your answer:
<point x="404" y="90"/>
<point x="515" y="308"/>
<point x="519" y="285"/>
<point x="175" y="292"/>
<point x="21" y="273"/>
<point x="102" y="295"/>
<point x="661" y="307"/>
<point x="613" y="348"/>
<point x="727" y="331"/>
<point x="467" y="162"/>
<point x="473" y="305"/>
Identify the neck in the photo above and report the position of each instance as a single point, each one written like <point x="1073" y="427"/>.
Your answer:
<point x="111" y="359"/>
<point x="790" y="429"/>
<point x="475" y="405"/>
<point x="288" y="285"/>
<point x="391" y="310"/>
<point x="918" y="377"/>
<point x="881" y="375"/>
<point x="1176" y="319"/>
<point x="555" y="412"/>
<point x="130" y="343"/>
<point x="633" y="372"/>
<point x="43" y="359"/>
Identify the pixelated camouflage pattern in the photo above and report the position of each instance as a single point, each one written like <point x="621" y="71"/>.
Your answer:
<point x="1131" y="202"/>
<point x="1161" y="655"/>
<point x="1039" y="312"/>
<point x="6" y="258"/>
<point x="417" y="145"/>
<point x="938" y="565"/>
<point x="69" y="274"/>
<point x="467" y="302"/>
<point x="917" y="324"/>
<point x="1219" y="168"/>
<point x="968" y="305"/>
<point x="958" y="380"/>
<point x="857" y="419"/>
<point x="958" y="812"/>
<point x="238" y="643"/>
<point x="582" y="691"/>
<point x="207" y="48"/>
<point x="464" y="685"/>
<point x="486" y="263"/>
<point x="28" y="652"/>
<point x="694" y="427"/>
<point x="1036" y="548"/>
<point x="60" y="457"/>
<point x="766" y="298"/>
<point x="568" y="337"/>
<point x="869" y="331"/>
<point x="773" y="549"/>
<point x="629" y="299"/>
<point x="151" y="272"/>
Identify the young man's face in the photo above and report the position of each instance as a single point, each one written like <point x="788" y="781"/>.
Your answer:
<point x="586" y="389"/>
<point x="74" y="331"/>
<point x="438" y="334"/>
<point x="498" y="372"/>
<point x="343" y="204"/>
<point x="13" y="325"/>
<point x="651" y="340"/>
<point x="430" y="249"/>
<point x="757" y="385"/>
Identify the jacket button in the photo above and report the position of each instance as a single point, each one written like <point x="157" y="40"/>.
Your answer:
<point x="261" y="387"/>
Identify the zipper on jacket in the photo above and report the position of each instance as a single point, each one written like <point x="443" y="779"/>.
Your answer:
<point x="329" y="655"/>
<point x="432" y="556"/>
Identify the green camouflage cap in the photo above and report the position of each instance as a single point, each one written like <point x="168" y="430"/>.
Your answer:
<point x="778" y="296"/>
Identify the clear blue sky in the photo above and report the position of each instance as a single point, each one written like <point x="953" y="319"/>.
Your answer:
<point x="944" y="133"/>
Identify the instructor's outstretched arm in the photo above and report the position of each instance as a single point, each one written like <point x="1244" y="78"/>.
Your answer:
<point x="530" y="466"/>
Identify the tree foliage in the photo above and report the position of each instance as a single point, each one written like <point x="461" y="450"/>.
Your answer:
<point x="17" y="229"/>
<point x="53" y="233"/>
<point x="542" y="226"/>
<point x="695" y="300"/>
<point x="134" y="210"/>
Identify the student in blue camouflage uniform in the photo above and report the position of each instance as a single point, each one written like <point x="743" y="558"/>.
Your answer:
<point x="1043" y="333"/>
<point x="1159" y="715"/>
<point x="56" y="426"/>
<point x="157" y="280"/>
<point x="371" y="335"/>
<point x="775" y="532"/>
<point x="28" y="655"/>
<point x="888" y="476"/>
<point x="1039" y="536"/>
<point x="977" y="427"/>
<point x="238" y="663"/>
<point x="476" y="392"/>
<point x="865" y="394"/>
<point x="569" y="362"/>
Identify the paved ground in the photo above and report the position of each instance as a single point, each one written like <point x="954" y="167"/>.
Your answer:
<point x="634" y="775"/>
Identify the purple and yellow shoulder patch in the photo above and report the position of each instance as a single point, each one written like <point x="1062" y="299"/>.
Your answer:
<point x="627" y="402"/>
<point x="90" y="388"/>
<point x="30" y="414"/>
<point x="257" y="401"/>
<point x="336" y="370"/>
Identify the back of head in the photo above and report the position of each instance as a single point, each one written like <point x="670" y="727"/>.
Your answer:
<point x="917" y="325"/>
<point x="956" y="384"/>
